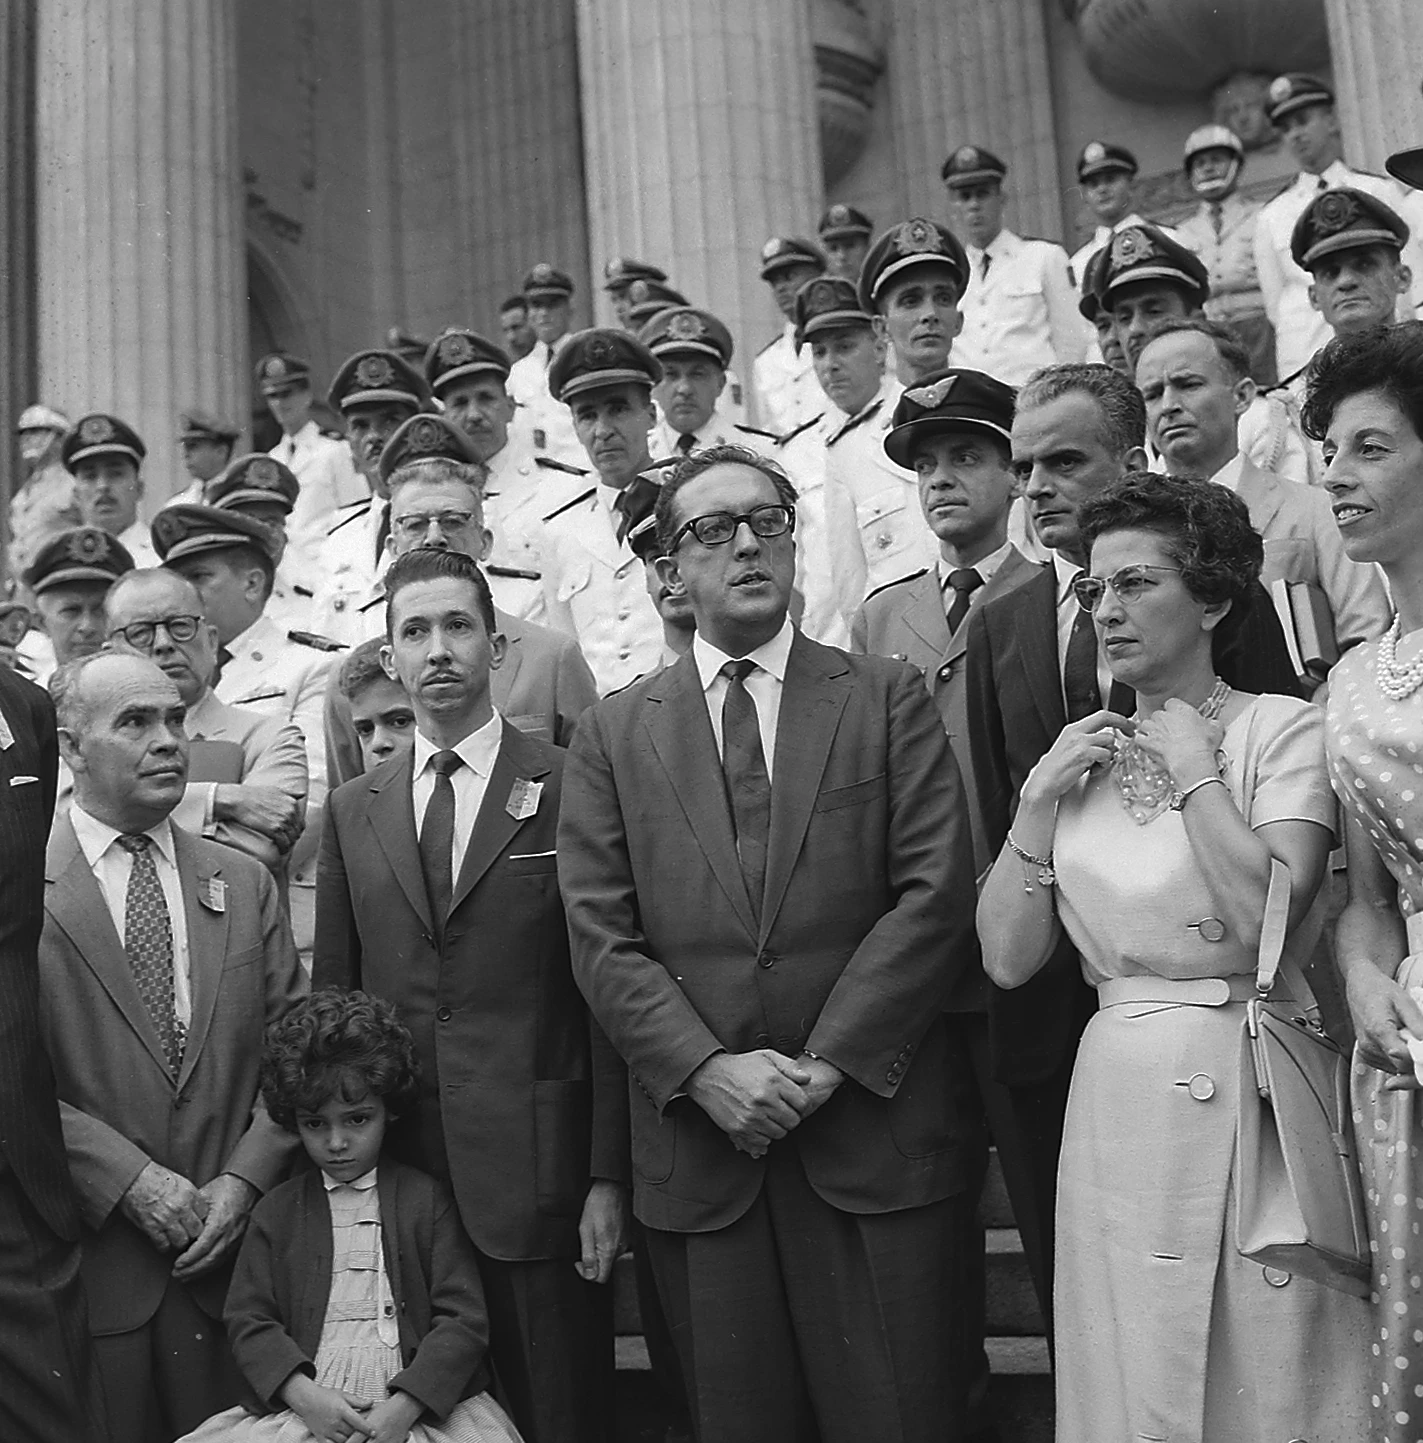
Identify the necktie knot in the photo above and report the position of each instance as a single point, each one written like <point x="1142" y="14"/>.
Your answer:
<point x="735" y="671"/>
<point x="965" y="579"/>
<point x="135" y="842"/>
<point x="446" y="763"/>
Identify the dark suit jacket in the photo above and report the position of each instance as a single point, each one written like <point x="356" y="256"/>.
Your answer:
<point x="1015" y="712"/>
<point x="120" y="1105"/>
<point x="523" y="1103"/>
<point x="282" y="1284"/>
<point x="866" y="924"/>
<point x="29" y="1115"/>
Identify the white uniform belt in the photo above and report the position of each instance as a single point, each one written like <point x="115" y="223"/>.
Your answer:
<point x="1176" y="992"/>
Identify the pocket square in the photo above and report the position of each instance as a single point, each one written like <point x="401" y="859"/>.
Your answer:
<point x="22" y="781"/>
<point x="529" y="856"/>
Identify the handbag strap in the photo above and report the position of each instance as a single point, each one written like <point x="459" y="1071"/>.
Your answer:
<point x="1274" y="927"/>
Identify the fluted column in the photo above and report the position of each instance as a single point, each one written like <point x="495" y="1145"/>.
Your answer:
<point x="975" y="73"/>
<point x="1377" y="49"/>
<point x="701" y="141"/>
<point x="141" y="306"/>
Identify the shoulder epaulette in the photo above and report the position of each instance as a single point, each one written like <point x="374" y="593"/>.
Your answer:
<point x="898" y="581"/>
<point x="363" y="506"/>
<point x="569" y="505"/>
<point x="1287" y="382"/>
<point x="302" y="590"/>
<point x="1277" y="194"/>
<point x="757" y="431"/>
<point x="515" y="573"/>
<point x="770" y="343"/>
<point x="551" y="463"/>
<point x="855" y="421"/>
<point x="259" y="696"/>
<point x="311" y="639"/>
<point x="804" y="426"/>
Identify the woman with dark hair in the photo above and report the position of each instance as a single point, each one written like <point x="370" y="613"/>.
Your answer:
<point x="1150" y="840"/>
<point x="1365" y="403"/>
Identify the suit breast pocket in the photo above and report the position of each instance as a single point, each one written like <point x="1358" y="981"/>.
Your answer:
<point x="833" y="799"/>
<point x="573" y="579"/>
<point x="532" y="864"/>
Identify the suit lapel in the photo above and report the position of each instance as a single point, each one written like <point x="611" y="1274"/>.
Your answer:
<point x="812" y="699"/>
<point x="1261" y="492"/>
<point x="681" y="734"/>
<point x="924" y="613"/>
<point x="392" y="818"/>
<point x="494" y="827"/>
<point x="207" y="944"/>
<point x="1035" y="620"/>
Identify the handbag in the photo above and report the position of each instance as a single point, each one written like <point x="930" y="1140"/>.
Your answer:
<point x="1298" y="1193"/>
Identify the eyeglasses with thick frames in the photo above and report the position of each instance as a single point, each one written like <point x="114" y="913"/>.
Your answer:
<point x="411" y="527"/>
<point x="1129" y="585"/>
<point x="716" y="528"/>
<point x="142" y="634"/>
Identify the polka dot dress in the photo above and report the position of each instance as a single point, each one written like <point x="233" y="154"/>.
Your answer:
<point x="1376" y="761"/>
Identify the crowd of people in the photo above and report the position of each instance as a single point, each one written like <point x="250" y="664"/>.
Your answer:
<point x="548" y="817"/>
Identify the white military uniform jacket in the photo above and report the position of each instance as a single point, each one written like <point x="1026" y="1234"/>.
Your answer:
<point x="329" y="482"/>
<point x="595" y="590"/>
<point x="352" y="561"/>
<point x="1020" y="311"/>
<point x="663" y="441"/>
<point x="1101" y="236"/>
<point x="1299" y="329"/>
<point x="545" y="423"/>
<point x="522" y="488"/>
<point x="138" y="542"/>
<point x="893" y="533"/>
<point x="787" y="392"/>
<point x="1228" y="253"/>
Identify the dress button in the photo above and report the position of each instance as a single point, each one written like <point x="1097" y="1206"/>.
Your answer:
<point x="256" y="656"/>
<point x="339" y="603"/>
<point x="389" y="1310"/>
<point x="1212" y="929"/>
<point x="1201" y="1087"/>
<point x="1276" y="1277"/>
<point x="945" y="672"/>
<point x="623" y="615"/>
<point x="766" y="959"/>
<point x="444" y="1014"/>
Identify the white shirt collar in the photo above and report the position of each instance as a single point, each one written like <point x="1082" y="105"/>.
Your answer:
<point x="364" y="1183"/>
<point x="477" y="751"/>
<point x="986" y="567"/>
<point x="96" y="837"/>
<point x="999" y="245"/>
<point x="1229" y="475"/>
<point x="771" y="656"/>
<point x="1066" y="574"/>
<point x="243" y="638"/>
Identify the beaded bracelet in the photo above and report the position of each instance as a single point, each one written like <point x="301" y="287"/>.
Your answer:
<point x="1047" y="876"/>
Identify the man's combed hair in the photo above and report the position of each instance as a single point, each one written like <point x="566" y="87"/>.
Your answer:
<point x="361" y="667"/>
<point x="1229" y="347"/>
<point x="1118" y="400"/>
<point x="665" y="513"/>
<point x="66" y="690"/>
<point x="333" y="1044"/>
<point x="440" y="469"/>
<point x="1388" y="359"/>
<point x="433" y="563"/>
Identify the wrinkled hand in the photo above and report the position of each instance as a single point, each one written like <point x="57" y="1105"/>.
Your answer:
<point x="825" y="1077"/>
<point x="267" y="810"/>
<point x="1080" y="746"/>
<point x="1182" y="741"/>
<point x="329" y="1416"/>
<point x="1382" y="1011"/>
<point x="755" y="1098"/>
<point x="392" y="1420"/>
<point x="167" y="1207"/>
<point x="602" y="1230"/>
<point x="229" y="1200"/>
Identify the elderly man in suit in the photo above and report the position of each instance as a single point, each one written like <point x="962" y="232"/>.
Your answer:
<point x="438" y="889"/>
<point x="163" y="958"/>
<point x="766" y="862"/>
<point x="48" y="1390"/>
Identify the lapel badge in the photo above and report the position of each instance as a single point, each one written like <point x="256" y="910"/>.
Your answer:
<point x="523" y="799"/>
<point x="213" y="894"/>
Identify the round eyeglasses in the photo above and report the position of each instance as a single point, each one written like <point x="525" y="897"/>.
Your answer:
<point x="142" y="634"/>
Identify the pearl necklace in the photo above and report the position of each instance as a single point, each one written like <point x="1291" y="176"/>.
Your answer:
<point x="1396" y="682"/>
<point x="1145" y="786"/>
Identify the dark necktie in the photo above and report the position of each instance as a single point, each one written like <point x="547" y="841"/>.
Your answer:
<point x="983" y="269"/>
<point x="633" y="503"/>
<point x="963" y="582"/>
<point x="1217" y="220"/>
<point x="223" y="657"/>
<point x="148" y="941"/>
<point x="685" y="442"/>
<point x="748" y="784"/>
<point x="382" y="535"/>
<point x="1079" y="669"/>
<point x="437" y="837"/>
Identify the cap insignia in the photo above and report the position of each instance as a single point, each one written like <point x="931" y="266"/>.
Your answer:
<point x="374" y="371"/>
<point x="263" y="472"/>
<point x="96" y="429"/>
<point x="541" y="273"/>
<point x="638" y="292"/>
<point x="1094" y="152"/>
<point x="932" y="397"/>
<point x="455" y="350"/>
<point x="88" y="545"/>
<point x="839" y="215"/>
<point x="916" y="236"/>
<point x="1280" y="89"/>
<point x="822" y="296"/>
<point x="168" y="528"/>
<point x="425" y="436"/>
<point x="771" y="249"/>
<point x="1131" y="246"/>
<point x="599" y="354"/>
<point x="1335" y="212"/>
<point x="274" y="368"/>
<point x="685" y="326"/>
<point x="967" y="156"/>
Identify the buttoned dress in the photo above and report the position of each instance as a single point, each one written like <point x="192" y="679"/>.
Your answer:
<point x="1164" y="1331"/>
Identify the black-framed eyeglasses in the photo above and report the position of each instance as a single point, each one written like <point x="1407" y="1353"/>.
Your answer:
<point x="416" y="524"/>
<point x="1128" y="585"/>
<point x="716" y="528"/>
<point x="142" y="634"/>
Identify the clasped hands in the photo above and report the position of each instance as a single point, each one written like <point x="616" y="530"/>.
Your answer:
<point x="206" y="1223"/>
<point x="756" y="1098"/>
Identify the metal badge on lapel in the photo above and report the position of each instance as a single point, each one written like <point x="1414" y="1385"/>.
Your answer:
<point x="213" y="894"/>
<point x="523" y="799"/>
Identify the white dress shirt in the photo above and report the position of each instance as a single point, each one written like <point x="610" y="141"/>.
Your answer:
<point x="1067" y="610"/>
<point x="765" y="685"/>
<point x="111" y="866"/>
<point x="477" y="751"/>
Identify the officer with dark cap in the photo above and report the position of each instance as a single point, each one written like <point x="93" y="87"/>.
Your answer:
<point x="646" y="298"/>
<point x="514" y="327"/>
<point x="319" y="458"/>
<point x="1106" y="349"/>
<point x="593" y="582"/>
<point x="618" y="276"/>
<point x="913" y="279"/>
<point x="1020" y="308"/>
<point x="781" y="375"/>
<point x="104" y="455"/>
<point x="549" y="293"/>
<point x="1106" y="177"/>
<point x="469" y="375"/>
<point x="844" y="235"/>
<point x="68" y="579"/>
<point x="375" y="391"/>
<point x="207" y="444"/>
<point x="1352" y="246"/>
<point x="1301" y="108"/>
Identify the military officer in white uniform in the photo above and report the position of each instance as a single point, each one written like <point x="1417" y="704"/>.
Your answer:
<point x="1106" y="176"/>
<point x="784" y="379"/>
<point x="375" y="391"/>
<point x="844" y="235"/>
<point x="319" y="459"/>
<point x="207" y="443"/>
<point x="593" y="581"/>
<point x="468" y="375"/>
<point x="105" y="457"/>
<point x="261" y="487"/>
<point x="618" y="276"/>
<point x="1301" y="107"/>
<point x="549" y="293"/>
<point x="1020" y="308"/>
<point x="231" y="560"/>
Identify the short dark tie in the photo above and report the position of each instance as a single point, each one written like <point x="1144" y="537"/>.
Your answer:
<point x="748" y="783"/>
<point x="983" y="269"/>
<point x="148" y="941"/>
<point x="1217" y="219"/>
<point x="963" y="582"/>
<point x="223" y="657"/>
<point x="1079" y="669"/>
<point x="685" y="442"/>
<point x="437" y="836"/>
<point x="633" y="503"/>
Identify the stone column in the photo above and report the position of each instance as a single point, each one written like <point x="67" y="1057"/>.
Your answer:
<point x="701" y="141"/>
<point x="142" y="297"/>
<point x="1377" y="49"/>
<point x="975" y="73"/>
